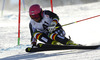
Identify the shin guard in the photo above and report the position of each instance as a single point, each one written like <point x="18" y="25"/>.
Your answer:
<point x="58" y="38"/>
<point x="42" y="37"/>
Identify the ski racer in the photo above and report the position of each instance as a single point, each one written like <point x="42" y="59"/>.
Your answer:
<point x="45" y="27"/>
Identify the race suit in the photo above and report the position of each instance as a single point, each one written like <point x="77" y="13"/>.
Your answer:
<point x="39" y="30"/>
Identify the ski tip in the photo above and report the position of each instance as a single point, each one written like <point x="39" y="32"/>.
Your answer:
<point x="28" y="49"/>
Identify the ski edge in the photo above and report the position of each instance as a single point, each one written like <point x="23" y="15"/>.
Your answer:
<point x="43" y="47"/>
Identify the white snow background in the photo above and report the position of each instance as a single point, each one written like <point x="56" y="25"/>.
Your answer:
<point x="85" y="32"/>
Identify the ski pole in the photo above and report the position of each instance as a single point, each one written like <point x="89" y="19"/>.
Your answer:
<point x="79" y="21"/>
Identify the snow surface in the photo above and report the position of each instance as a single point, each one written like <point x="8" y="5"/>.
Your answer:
<point x="86" y="33"/>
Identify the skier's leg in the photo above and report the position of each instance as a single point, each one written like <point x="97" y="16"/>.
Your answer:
<point x="59" y="35"/>
<point x="61" y="39"/>
<point x="42" y="37"/>
<point x="58" y="38"/>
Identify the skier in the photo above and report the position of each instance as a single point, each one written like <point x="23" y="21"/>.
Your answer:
<point x="44" y="26"/>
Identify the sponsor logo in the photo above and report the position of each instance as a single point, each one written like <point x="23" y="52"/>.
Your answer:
<point x="44" y="39"/>
<point x="61" y="37"/>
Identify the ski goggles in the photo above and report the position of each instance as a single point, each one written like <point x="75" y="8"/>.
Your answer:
<point x="35" y="16"/>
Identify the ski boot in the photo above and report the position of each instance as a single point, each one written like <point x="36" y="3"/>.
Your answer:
<point x="71" y="43"/>
<point x="56" y="43"/>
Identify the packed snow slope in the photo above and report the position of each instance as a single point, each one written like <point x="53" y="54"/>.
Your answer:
<point x="86" y="33"/>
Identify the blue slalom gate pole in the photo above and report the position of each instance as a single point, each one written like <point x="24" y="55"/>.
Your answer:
<point x="2" y="7"/>
<point x="24" y="5"/>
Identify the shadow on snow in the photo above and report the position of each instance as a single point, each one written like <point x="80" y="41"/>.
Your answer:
<point x="31" y="56"/>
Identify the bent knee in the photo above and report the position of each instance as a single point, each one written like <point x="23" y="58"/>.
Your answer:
<point x="37" y="35"/>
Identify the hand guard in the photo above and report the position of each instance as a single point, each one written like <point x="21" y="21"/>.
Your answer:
<point x="34" y="45"/>
<point x="52" y="27"/>
<point x="33" y="42"/>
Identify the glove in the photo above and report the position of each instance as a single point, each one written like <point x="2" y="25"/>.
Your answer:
<point x="33" y="42"/>
<point x="34" y="45"/>
<point x="51" y="28"/>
